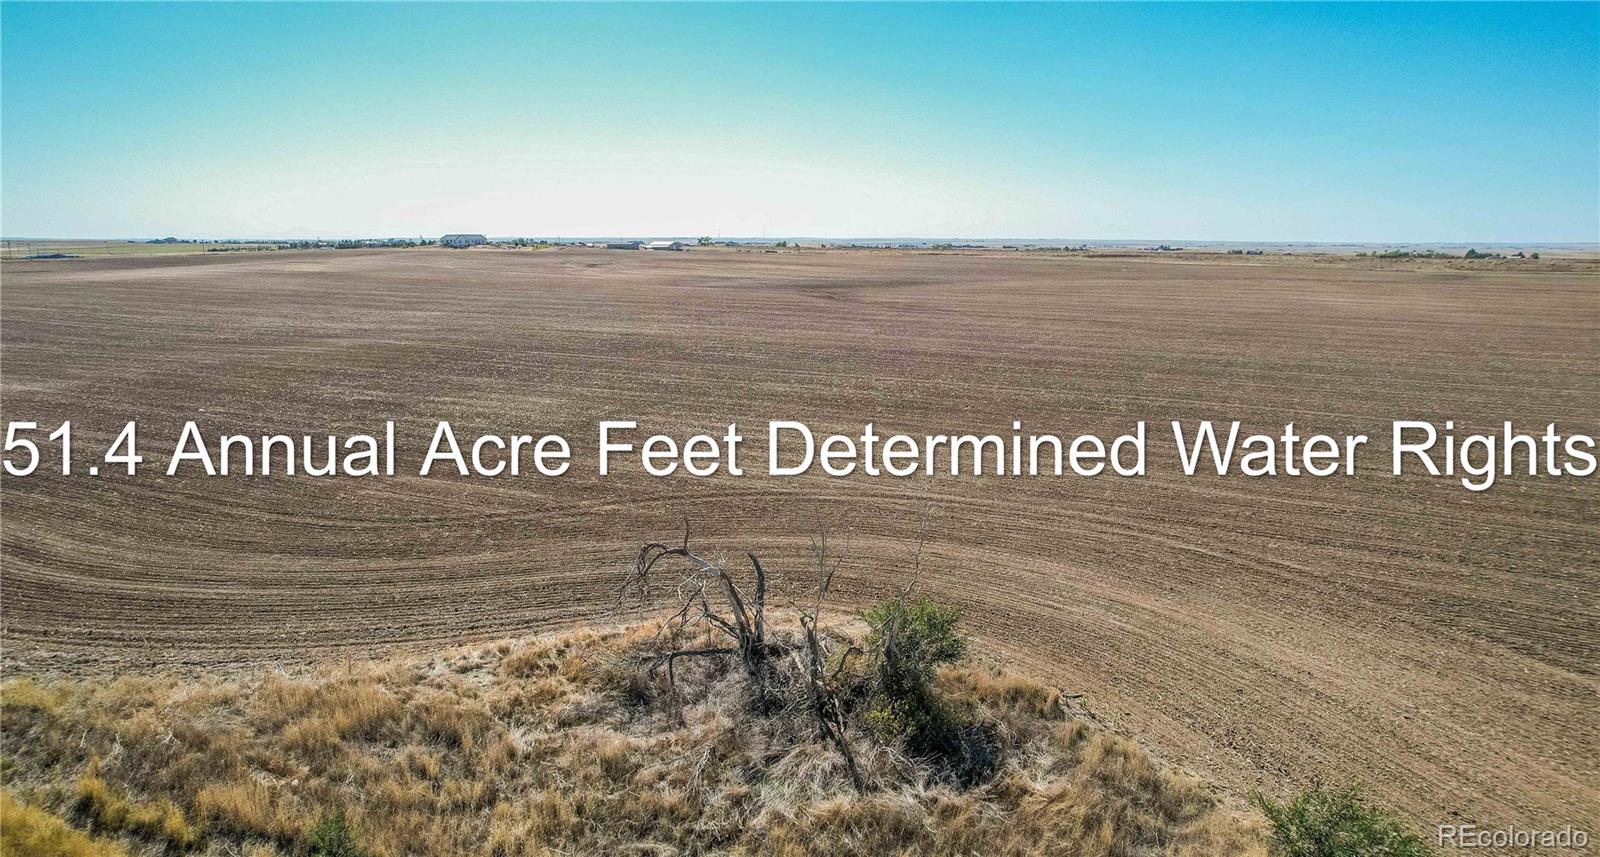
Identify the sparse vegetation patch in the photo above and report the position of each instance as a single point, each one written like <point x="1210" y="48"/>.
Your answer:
<point x="723" y="728"/>
<point x="1336" y="823"/>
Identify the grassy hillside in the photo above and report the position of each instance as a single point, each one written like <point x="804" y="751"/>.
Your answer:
<point x="562" y="745"/>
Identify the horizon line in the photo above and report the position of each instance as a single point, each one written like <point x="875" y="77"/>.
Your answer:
<point x="767" y="239"/>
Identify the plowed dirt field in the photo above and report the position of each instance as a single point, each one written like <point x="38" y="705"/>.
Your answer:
<point x="1437" y="645"/>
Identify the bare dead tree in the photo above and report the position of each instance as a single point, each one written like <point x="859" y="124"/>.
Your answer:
<point x="740" y="620"/>
<point x="826" y="705"/>
<point x="715" y="618"/>
<point x="888" y="659"/>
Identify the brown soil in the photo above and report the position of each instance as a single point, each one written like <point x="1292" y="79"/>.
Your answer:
<point x="1437" y="645"/>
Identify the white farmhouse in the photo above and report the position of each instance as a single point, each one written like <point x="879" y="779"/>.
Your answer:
<point x="664" y="245"/>
<point x="463" y="240"/>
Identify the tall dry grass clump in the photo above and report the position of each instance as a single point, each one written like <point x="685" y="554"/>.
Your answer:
<point x="28" y="831"/>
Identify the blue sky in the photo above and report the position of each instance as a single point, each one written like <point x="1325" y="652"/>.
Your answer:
<point x="1365" y="122"/>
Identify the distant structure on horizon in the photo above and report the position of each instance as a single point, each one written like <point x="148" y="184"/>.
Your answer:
<point x="623" y="245"/>
<point x="463" y="240"/>
<point x="664" y="245"/>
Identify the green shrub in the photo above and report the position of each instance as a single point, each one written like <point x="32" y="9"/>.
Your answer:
<point x="923" y="721"/>
<point x="333" y="837"/>
<point x="912" y="639"/>
<point x="1321" y="823"/>
<point x="908" y="643"/>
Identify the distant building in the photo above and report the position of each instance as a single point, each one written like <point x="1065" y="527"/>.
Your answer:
<point x="463" y="240"/>
<point x="664" y="245"/>
<point x="623" y="245"/>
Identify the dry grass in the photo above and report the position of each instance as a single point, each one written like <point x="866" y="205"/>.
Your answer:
<point x="28" y="831"/>
<point x="160" y="820"/>
<point x="553" y="745"/>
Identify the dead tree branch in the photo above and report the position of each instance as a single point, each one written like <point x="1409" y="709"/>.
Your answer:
<point x="712" y="603"/>
<point x="826" y="706"/>
<point x="739" y="619"/>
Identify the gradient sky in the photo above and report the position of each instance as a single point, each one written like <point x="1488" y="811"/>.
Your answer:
<point x="1366" y="122"/>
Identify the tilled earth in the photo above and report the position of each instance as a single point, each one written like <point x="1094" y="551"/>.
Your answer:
<point x="1436" y="645"/>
